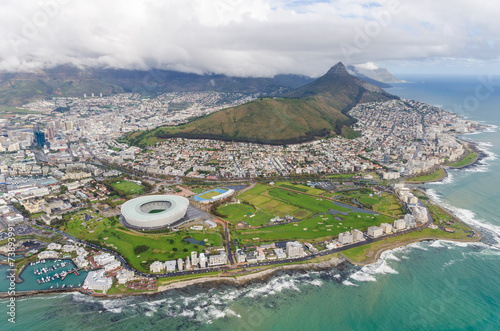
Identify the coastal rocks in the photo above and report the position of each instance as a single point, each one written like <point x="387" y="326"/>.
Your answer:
<point x="260" y="276"/>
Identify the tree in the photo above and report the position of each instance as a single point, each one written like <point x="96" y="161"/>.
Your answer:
<point x="140" y="249"/>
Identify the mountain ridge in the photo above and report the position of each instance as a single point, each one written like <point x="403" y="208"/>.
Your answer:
<point x="69" y="81"/>
<point x="317" y="109"/>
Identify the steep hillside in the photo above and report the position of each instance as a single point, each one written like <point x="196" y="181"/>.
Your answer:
<point x="317" y="109"/>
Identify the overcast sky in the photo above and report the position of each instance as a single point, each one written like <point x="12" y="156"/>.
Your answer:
<point x="252" y="38"/>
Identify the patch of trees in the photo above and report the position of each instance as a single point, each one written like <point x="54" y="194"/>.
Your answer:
<point x="140" y="249"/>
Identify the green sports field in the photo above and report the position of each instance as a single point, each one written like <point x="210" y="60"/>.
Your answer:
<point x="209" y="195"/>
<point x="128" y="188"/>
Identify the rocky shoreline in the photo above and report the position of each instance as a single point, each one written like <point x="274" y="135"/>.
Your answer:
<point x="260" y="276"/>
<point x="394" y="246"/>
<point x="473" y="146"/>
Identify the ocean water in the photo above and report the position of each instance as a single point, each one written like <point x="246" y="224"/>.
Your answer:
<point x="435" y="285"/>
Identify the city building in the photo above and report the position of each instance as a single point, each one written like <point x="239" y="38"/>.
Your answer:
<point x="346" y="238"/>
<point x="220" y="259"/>
<point x="97" y="281"/>
<point x="251" y="257"/>
<point x="202" y="259"/>
<point x="53" y="246"/>
<point x="357" y="235"/>
<point x="420" y="213"/>
<point x="81" y="261"/>
<point x="387" y="228"/>
<point x="123" y="276"/>
<point x="294" y="249"/>
<point x="180" y="264"/>
<point x="103" y="258"/>
<point x="280" y="254"/>
<point x="410" y="221"/>
<point x="112" y="265"/>
<point x="194" y="259"/>
<point x="399" y="225"/>
<point x="40" y="138"/>
<point x="69" y="248"/>
<point x="48" y="255"/>
<point x="15" y="219"/>
<point x="240" y="256"/>
<point x="157" y="267"/>
<point x="375" y="231"/>
<point x="170" y="266"/>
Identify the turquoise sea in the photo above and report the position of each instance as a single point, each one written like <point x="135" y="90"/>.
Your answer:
<point x="425" y="286"/>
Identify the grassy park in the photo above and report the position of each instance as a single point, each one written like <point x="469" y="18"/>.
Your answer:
<point x="300" y="188"/>
<point x="246" y="213"/>
<point x="384" y="203"/>
<point x="469" y="159"/>
<point x="438" y="174"/>
<point x="128" y="188"/>
<point x="315" y="225"/>
<point x="315" y="229"/>
<point x="368" y="253"/>
<point x="260" y="198"/>
<point x="108" y="232"/>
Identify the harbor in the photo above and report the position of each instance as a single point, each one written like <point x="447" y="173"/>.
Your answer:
<point x="48" y="275"/>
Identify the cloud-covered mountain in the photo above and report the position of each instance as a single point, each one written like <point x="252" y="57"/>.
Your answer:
<point x="254" y="38"/>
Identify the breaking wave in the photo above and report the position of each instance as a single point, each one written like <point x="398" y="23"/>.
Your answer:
<point x="202" y="307"/>
<point x="469" y="217"/>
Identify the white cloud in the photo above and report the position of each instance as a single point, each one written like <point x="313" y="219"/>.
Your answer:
<point x="243" y="37"/>
<point x="367" y="66"/>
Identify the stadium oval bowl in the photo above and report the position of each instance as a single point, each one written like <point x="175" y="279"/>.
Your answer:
<point x="154" y="211"/>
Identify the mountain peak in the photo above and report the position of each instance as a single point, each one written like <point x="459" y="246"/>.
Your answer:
<point x="338" y="69"/>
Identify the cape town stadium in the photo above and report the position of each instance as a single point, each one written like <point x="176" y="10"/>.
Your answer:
<point x="154" y="211"/>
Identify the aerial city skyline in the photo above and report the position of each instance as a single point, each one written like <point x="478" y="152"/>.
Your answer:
<point x="254" y="165"/>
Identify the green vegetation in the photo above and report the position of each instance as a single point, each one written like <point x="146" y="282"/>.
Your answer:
<point x="127" y="188"/>
<point x="197" y="190"/>
<point x="278" y="201"/>
<point x="316" y="229"/>
<point x="385" y="203"/>
<point x="260" y="198"/>
<point x="438" y="174"/>
<point x="18" y="90"/>
<point x="300" y="188"/>
<point x="368" y="253"/>
<point x="341" y="176"/>
<point x="316" y="110"/>
<point x="368" y="200"/>
<point x="6" y="110"/>
<point x="139" y="249"/>
<point x="235" y="213"/>
<point x="315" y="204"/>
<point x="168" y="280"/>
<point x="469" y="159"/>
